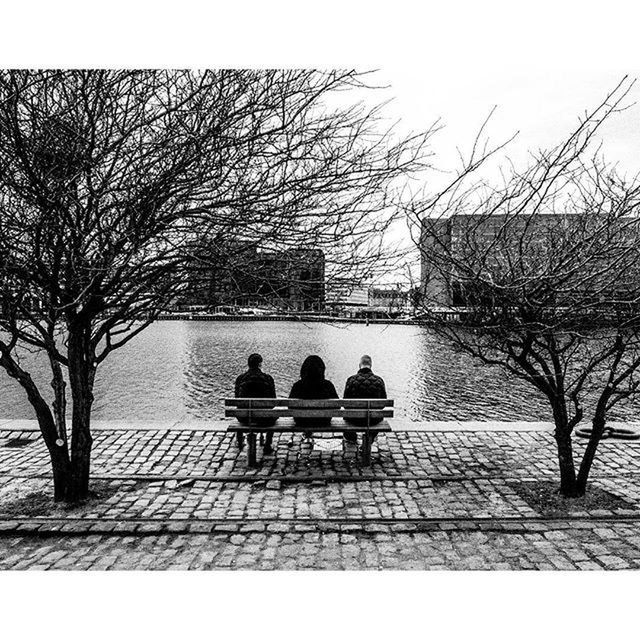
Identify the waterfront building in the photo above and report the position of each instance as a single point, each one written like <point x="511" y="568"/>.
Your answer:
<point x="389" y="300"/>
<point x="352" y="298"/>
<point x="346" y="297"/>
<point x="535" y="239"/>
<point x="244" y="276"/>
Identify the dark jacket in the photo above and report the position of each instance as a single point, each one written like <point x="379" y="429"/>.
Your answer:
<point x="365" y="384"/>
<point x="254" y="383"/>
<point x="313" y="390"/>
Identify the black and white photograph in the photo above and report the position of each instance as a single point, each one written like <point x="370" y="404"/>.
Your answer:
<point x="337" y="297"/>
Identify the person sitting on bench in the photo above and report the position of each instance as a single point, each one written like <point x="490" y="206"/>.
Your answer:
<point x="254" y="383"/>
<point x="313" y="386"/>
<point x="364" y="384"/>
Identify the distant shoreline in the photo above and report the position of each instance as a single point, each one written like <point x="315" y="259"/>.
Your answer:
<point x="283" y="318"/>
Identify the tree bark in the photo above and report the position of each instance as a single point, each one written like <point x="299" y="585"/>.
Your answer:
<point x="78" y="482"/>
<point x="562" y="436"/>
<point x="58" y="450"/>
<point x="81" y="377"/>
<point x="598" y="424"/>
<point x="60" y="466"/>
<point x="568" y="485"/>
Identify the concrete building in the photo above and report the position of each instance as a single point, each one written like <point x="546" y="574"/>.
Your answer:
<point x="498" y="238"/>
<point x="435" y="286"/>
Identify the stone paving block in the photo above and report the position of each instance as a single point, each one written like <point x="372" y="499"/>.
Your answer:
<point x="150" y="527"/>
<point x="125" y="527"/>
<point x="200" y="527"/>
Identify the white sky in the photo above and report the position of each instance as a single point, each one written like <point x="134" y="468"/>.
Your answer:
<point x="541" y="62"/>
<point x="543" y="105"/>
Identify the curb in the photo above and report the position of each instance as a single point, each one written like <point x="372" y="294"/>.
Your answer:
<point x="42" y="527"/>
<point x="284" y="479"/>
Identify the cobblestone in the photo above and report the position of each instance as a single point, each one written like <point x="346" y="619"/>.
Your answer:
<point x="455" y="549"/>
<point x="367" y="499"/>
<point x="528" y="454"/>
<point x="431" y="500"/>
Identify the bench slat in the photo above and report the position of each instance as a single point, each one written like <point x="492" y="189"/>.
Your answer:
<point x="267" y="403"/>
<point x="308" y="413"/>
<point x="288" y="425"/>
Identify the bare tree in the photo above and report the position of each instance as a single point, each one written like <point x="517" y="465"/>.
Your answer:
<point x="540" y="276"/>
<point x="109" y="179"/>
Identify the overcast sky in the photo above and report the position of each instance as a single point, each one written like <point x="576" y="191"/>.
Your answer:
<point x="543" y="105"/>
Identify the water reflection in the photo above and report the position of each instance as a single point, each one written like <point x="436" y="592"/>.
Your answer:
<point x="143" y="380"/>
<point x="177" y="370"/>
<point x="449" y="385"/>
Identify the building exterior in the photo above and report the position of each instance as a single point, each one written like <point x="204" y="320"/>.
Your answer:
<point x="435" y="286"/>
<point x="354" y="299"/>
<point x="243" y="276"/>
<point x="346" y="297"/>
<point x="507" y="244"/>
<point x="392" y="301"/>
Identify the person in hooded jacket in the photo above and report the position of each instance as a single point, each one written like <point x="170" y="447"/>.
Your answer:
<point x="313" y="386"/>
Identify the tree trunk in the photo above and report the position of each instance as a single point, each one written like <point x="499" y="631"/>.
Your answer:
<point x="597" y="430"/>
<point x="81" y="377"/>
<point x="60" y="466"/>
<point x="78" y="481"/>
<point x="568" y="485"/>
<point x="562" y="435"/>
<point x="58" y="452"/>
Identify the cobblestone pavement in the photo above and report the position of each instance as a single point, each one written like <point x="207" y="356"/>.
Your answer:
<point x="186" y="499"/>
<point x="367" y="499"/>
<point x="560" y="546"/>
<point x="402" y="453"/>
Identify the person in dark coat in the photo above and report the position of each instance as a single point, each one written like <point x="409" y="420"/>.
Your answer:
<point x="313" y="386"/>
<point x="254" y="383"/>
<point x="364" y="384"/>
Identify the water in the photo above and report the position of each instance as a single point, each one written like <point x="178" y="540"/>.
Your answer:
<point x="175" y="370"/>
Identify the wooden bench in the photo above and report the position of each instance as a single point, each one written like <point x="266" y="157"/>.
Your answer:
<point x="285" y="410"/>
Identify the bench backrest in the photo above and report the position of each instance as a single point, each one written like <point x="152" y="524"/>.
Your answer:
<point x="365" y="408"/>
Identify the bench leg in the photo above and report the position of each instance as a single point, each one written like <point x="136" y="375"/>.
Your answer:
<point x="240" y="439"/>
<point x="251" y="441"/>
<point x="366" y="448"/>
